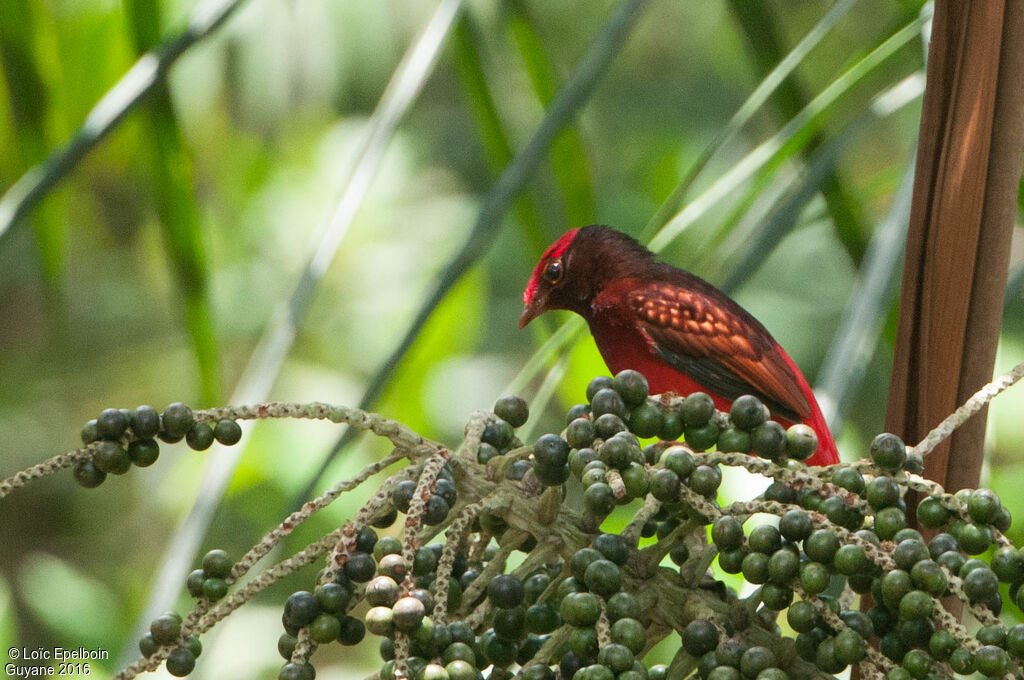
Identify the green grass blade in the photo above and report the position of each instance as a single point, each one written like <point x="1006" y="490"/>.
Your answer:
<point x="176" y="205"/>
<point x="870" y="302"/>
<point x="790" y="139"/>
<point x="784" y="217"/>
<point x="28" y="100"/>
<point x="759" y="25"/>
<point x="753" y="103"/>
<point x="566" y="335"/>
<point x="566" y="103"/>
<point x="497" y="148"/>
<point x="109" y="111"/>
<point x="568" y="160"/>
<point x="277" y="338"/>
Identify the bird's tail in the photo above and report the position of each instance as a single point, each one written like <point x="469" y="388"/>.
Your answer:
<point x="827" y="454"/>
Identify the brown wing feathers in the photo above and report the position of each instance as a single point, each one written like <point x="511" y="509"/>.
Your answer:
<point x="705" y="339"/>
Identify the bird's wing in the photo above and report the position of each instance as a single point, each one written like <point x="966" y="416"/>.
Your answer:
<point x="719" y="345"/>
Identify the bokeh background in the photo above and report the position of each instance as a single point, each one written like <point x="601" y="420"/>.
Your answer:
<point x="159" y="266"/>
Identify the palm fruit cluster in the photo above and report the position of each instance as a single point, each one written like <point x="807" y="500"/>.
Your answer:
<point x="512" y="560"/>
<point x="120" y="438"/>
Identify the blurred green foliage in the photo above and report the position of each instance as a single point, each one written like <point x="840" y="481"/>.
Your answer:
<point x="150" y="273"/>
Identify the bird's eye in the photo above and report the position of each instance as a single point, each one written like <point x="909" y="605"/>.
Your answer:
<point x="553" y="272"/>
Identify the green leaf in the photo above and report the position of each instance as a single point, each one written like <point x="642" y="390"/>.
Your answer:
<point x="171" y="167"/>
<point x="568" y="160"/>
<point x="78" y="608"/>
<point x="497" y="149"/>
<point x="790" y="139"/>
<point x="29" y="101"/>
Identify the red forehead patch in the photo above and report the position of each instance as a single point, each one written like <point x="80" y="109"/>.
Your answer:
<point x="555" y="250"/>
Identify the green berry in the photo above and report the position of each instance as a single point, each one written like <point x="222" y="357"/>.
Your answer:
<point x="145" y="422"/>
<point x="795" y="525"/>
<point x="542" y="619"/>
<point x="991" y="661"/>
<point x="630" y="633"/>
<point x="199" y="437"/>
<point x="888" y="451"/>
<point x="765" y="538"/>
<point x="580" y="609"/>
<point x="849" y="479"/>
<point x="981" y="584"/>
<point x="631" y="386"/>
<point x="756" y="659"/>
<point x="931" y="513"/>
<point x="734" y="440"/>
<point x="646" y="420"/>
<point x="671" y="426"/>
<point x="217" y="563"/>
<point x="916" y="604"/>
<point x="747" y="412"/>
<point x="214" y="588"/>
<point x="768" y="440"/>
<point x="616" y="658"/>
<point x="194" y="582"/>
<point x="582" y="559"/>
<point x="325" y="628"/>
<point x="705" y="480"/>
<point x="607" y="425"/>
<point x="815" y="577"/>
<point x="143" y="452"/>
<point x="755" y="568"/>
<point x="227" y="432"/>
<point x="784" y="566"/>
<point x="664" y="486"/>
<point x="352" y="631"/>
<point x="983" y="505"/>
<point x="622" y="605"/>
<point x="166" y="629"/>
<point x="801" y="441"/>
<point x="850" y="647"/>
<point x="775" y="596"/>
<point x="580" y="433"/>
<point x="727" y="533"/>
<point x="550" y="450"/>
<point x="603" y="577"/>
<point x="1008" y="564"/>
<point x="89" y="432"/>
<point x="697" y="409"/>
<point x="703" y="437"/>
<point x="505" y="591"/>
<point x="300" y="609"/>
<point x="87" y="475"/>
<point x="802" y="616"/>
<point x="147" y="645"/>
<point x="111" y="457"/>
<point x="111" y="424"/>
<point x="821" y="546"/>
<point x="180" y="662"/>
<point x="613" y="547"/>
<point x="599" y="383"/>
<point x="177" y="419"/>
<point x="608" y="401"/>
<point x="498" y="434"/>
<point x="512" y="409"/>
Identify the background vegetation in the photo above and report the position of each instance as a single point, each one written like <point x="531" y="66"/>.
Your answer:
<point x="154" y="270"/>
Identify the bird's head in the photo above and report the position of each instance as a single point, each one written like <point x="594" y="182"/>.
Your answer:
<point x="575" y="268"/>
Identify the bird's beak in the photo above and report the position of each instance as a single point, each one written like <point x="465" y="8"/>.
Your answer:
<point x="536" y="307"/>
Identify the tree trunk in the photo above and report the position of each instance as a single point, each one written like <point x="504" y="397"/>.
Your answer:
<point x="961" y="219"/>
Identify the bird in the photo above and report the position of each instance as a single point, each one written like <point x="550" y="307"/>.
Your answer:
<point x="679" y="331"/>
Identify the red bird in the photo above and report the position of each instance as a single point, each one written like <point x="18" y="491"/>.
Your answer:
<point x="676" y="329"/>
